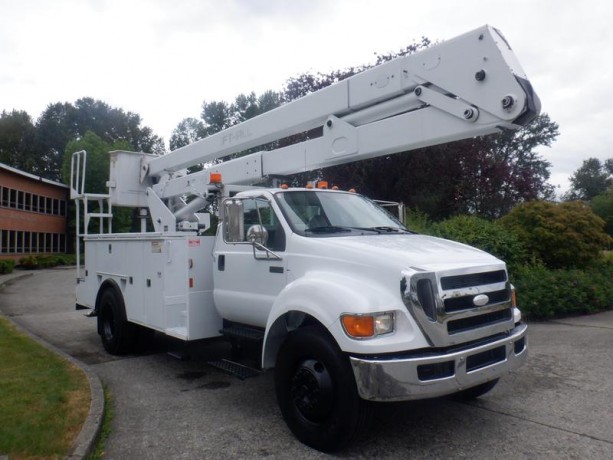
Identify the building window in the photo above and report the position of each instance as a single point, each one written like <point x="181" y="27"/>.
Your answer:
<point x="35" y="199"/>
<point x="12" y="198"/>
<point x="19" y="242"/>
<point x="27" y="202"/>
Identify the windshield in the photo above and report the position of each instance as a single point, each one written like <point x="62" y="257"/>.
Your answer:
<point x="321" y="213"/>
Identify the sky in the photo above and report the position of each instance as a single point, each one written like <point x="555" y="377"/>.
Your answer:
<point x="162" y="58"/>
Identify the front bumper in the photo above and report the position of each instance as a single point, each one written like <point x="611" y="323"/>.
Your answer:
<point x="401" y="379"/>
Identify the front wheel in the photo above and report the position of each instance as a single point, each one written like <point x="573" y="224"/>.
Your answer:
<point x="316" y="390"/>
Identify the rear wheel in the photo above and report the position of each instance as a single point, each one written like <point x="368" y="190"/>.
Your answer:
<point x="316" y="390"/>
<point x="118" y="335"/>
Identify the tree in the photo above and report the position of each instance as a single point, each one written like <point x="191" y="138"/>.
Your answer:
<point x="602" y="205"/>
<point x="561" y="235"/>
<point x="216" y="116"/>
<point x="219" y="115"/>
<point x="62" y="122"/>
<point x="502" y="170"/>
<point x="188" y="130"/>
<point x="591" y="179"/>
<point x="17" y="142"/>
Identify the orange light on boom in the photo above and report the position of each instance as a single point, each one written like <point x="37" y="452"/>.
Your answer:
<point x="215" y="178"/>
<point x="322" y="184"/>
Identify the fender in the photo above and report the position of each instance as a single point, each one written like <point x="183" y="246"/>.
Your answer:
<point x="322" y="297"/>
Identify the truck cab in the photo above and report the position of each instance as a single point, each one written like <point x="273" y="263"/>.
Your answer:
<point x="340" y="260"/>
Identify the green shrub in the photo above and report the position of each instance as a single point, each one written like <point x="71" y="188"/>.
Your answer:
<point x="559" y="234"/>
<point x="35" y="262"/>
<point x="6" y="266"/>
<point x="484" y="234"/>
<point x="29" y="263"/>
<point x="418" y="221"/>
<point x="544" y="293"/>
<point x="47" y="261"/>
<point x="602" y="205"/>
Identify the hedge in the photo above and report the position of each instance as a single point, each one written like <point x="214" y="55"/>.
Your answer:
<point x="544" y="293"/>
<point x="6" y="266"/>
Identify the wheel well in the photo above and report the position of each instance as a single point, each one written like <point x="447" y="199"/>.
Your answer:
<point x="107" y="284"/>
<point x="282" y="326"/>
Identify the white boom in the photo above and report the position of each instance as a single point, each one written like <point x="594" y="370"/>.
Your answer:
<point x="468" y="86"/>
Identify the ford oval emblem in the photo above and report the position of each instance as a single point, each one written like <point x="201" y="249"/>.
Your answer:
<point x="481" y="300"/>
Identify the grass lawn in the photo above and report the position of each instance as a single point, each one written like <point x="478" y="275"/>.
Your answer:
<point x="44" y="399"/>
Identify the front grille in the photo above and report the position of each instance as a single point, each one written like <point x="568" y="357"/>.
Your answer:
<point x="426" y="298"/>
<point x="466" y="302"/>
<point x="465" y="324"/>
<point x="444" y="306"/>
<point x="474" y="279"/>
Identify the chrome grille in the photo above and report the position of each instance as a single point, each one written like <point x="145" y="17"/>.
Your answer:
<point x="466" y="302"/>
<point x="446" y="310"/>
<point x="473" y="279"/>
<point x="472" y="322"/>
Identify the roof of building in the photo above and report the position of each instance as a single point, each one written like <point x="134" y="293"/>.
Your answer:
<point x="32" y="176"/>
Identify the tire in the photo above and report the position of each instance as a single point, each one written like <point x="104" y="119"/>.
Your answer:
<point x="475" y="392"/>
<point x="118" y="335"/>
<point x="316" y="390"/>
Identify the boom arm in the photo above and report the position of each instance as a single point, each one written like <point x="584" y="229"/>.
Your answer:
<point x="468" y="86"/>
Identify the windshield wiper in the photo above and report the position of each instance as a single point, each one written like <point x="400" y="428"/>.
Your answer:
<point x="328" y="229"/>
<point x="389" y="229"/>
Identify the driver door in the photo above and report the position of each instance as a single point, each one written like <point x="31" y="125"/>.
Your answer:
<point x="248" y="279"/>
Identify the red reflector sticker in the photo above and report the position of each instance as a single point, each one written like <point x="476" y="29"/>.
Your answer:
<point x="191" y="282"/>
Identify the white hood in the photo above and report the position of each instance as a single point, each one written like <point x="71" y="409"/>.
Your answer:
<point x="409" y="251"/>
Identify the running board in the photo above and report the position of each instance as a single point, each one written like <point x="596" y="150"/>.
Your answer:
<point x="236" y="369"/>
<point x="242" y="333"/>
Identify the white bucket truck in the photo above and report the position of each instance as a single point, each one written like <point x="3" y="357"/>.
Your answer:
<point x="348" y="305"/>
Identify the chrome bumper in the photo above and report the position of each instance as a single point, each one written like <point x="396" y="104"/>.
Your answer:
<point x="400" y="379"/>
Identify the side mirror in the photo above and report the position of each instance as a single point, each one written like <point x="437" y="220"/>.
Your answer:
<point x="257" y="235"/>
<point x="233" y="221"/>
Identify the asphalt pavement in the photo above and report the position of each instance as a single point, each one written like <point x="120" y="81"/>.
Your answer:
<point x="558" y="406"/>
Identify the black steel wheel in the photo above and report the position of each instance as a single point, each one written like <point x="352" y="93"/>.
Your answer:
<point x="316" y="390"/>
<point x="118" y="335"/>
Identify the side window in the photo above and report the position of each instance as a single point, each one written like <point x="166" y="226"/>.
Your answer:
<point x="258" y="211"/>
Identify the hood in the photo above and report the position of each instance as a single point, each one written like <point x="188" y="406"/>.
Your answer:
<point x="406" y="251"/>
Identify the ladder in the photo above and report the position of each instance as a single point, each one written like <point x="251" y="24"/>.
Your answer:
<point x="91" y="205"/>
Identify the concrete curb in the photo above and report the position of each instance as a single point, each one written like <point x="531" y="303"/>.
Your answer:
<point x="85" y="442"/>
<point x="5" y="279"/>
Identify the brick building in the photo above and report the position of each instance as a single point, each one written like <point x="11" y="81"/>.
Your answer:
<point x="33" y="214"/>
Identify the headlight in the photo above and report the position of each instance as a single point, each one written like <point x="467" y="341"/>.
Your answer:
<point x="368" y="326"/>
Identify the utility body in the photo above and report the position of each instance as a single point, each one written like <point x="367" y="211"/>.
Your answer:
<point x="345" y="303"/>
